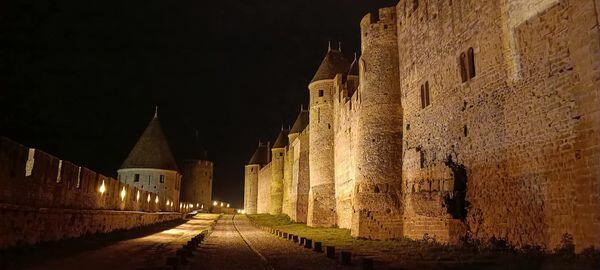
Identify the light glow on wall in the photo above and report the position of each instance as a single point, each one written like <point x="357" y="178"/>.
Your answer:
<point x="221" y="204"/>
<point x="137" y="197"/>
<point x="215" y="203"/>
<point x="123" y="193"/>
<point x="148" y="198"/>
<point x="227" y="205"/>
<point x="102" y="188"/>
<point x="156" y="200"/>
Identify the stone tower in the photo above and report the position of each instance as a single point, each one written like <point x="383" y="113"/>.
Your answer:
<point x="321" y="202"/>
<point x="278" y="152"/>
<point x="197" y="177"/>
<point x="260" y="158"/>
<point x="377" y="199"/>
<point x="151" y="166"/>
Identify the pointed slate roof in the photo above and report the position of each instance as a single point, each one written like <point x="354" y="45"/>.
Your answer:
<point x="151" y="150"/>
<point x="282" y="139"/>
<point x="301" y="122"/>
<point x="261" y="155"/>
<point x="333" y="63"/>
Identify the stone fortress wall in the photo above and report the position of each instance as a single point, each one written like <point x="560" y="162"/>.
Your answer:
<point x="468" y="119"/>
<point x="197" y="182"/>
<point x="44" y="198"/>
<point x="263" y="204"/>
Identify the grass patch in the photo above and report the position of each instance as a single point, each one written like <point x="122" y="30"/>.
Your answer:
<point x="427" y="253"/>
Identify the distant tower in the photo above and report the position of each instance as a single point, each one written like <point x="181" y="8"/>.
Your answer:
<point x="321" y="202"/>
<point x="377" y="200"/>
<point x="197" y="177"/>
<point x="151" y="166"/>
<point x="277" y="171"/>
<point x="259" y="159"/>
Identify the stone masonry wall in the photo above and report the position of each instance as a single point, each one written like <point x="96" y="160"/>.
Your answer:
<point x="277" y="175"/>
<point x="251" y="188"/>
<point x="288" y="162"/>
<point x="264" y="190"/>
<point x="300" y="182"/>
<point x="343" y="149"/>
<point x="499" y="156"/>
<point x="196" y="184"/>
<point x="37" y="188"/>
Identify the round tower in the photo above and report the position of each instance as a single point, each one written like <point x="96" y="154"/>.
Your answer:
<point x="321" y="200"/>
<point x="259" y="158"/>
<point x="377" y="199"/>
<point x="151" y="166"/>
<point x="197" y="178"/>
<point x="277" y="171"/>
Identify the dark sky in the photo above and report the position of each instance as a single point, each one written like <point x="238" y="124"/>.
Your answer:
<point x="79" y="79"/>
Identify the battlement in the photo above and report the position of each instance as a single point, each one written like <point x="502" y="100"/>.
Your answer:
<point x="33" y="178"/>
<point x="381" y="16"/>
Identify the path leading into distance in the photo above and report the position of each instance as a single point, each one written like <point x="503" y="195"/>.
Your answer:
<point x="236" y="244"/>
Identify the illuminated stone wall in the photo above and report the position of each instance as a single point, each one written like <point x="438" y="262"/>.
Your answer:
<point x="263" y="203"/>
<point x="44" y="198"/>
<point x="344" y="148"/>
<point x="251" y="188"/>
<point x="277" y="175"/>
<point x="511" y="153"/>
<point x="300" y="182"/>
<point x="506" y="148"/>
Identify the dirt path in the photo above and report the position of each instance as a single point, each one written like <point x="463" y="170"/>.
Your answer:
<point x="236" y="244"/>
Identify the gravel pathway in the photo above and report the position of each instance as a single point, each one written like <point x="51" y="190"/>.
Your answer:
<point x="236" y="244"/>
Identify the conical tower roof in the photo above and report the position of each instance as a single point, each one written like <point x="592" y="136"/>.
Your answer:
<point x="152" y="150"/>
<point x="282" y="139"/>
<point x="300" y="123"/>
<point x="333" y="63"/>
<point x="261" y="155"/>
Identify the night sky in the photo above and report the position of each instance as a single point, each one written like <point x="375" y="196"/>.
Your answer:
<point x="80" y="79"/>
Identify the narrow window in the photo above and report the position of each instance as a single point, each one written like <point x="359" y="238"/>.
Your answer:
<point x="422" y="96"/>
<point x="321" y="92"/>
<point x="415" y="4"/>
<point x="318" y="115"/>
<point x="465" y="131"/>
<point x="136" y="178"/>
<point x="162" y="178"/>
<point x="427" y="101"/>
<point x="281" y="154"/>
<point x="471" y="61"/>
<point x="422" y="159"/>
<point x="463" y="69"/>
